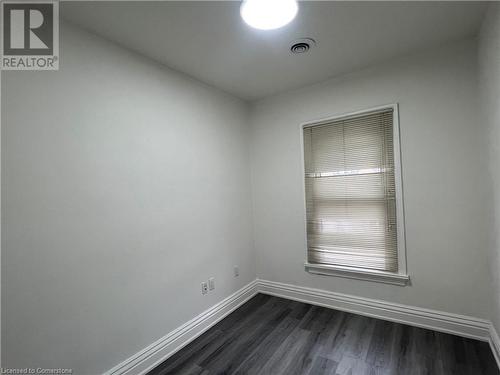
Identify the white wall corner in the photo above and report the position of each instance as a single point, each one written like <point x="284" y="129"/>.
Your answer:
<point x="159" y="351"/>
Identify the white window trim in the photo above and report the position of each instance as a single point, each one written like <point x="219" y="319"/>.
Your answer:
<point x="358" y="273"/>
<point x="398" y="278"/>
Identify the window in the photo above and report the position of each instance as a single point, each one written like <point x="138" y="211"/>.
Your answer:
<point x="353" y="197"/>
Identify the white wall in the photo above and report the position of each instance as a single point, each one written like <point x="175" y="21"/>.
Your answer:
<point x="124" y="186"/>
<point x="443" y="178"/>
<point x="489" y="73"/>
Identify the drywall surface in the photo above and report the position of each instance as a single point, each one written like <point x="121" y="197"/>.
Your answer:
<point x="124" y="186"/>
<point x="489" y="73"/>
<point x="444" y="172"/>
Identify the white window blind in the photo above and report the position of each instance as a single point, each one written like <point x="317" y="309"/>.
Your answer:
<point x="350" y="192"/>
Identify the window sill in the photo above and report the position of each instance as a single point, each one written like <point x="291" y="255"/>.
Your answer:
<point x="359" y="274"/>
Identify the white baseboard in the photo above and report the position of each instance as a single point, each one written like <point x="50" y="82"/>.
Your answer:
<point x="159" y="351"/>
<point x="495" y="344"/>
<point x="148" y="358"/>
<point x="432" y="319"/>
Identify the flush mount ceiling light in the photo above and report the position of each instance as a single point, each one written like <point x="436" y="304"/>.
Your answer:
<point x="268" y="14"/>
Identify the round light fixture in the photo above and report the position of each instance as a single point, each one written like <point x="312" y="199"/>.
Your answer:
<point x="268" y="14"/>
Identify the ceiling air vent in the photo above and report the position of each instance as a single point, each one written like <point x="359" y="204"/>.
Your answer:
<point x="302" y="45"/>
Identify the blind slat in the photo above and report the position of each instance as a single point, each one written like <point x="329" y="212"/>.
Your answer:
<point x="350" y="192"/>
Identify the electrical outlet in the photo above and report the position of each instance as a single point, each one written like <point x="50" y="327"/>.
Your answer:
<point x="236" y="271"/>
<point x="204" y="288"/>
<point x="211" y="283"/>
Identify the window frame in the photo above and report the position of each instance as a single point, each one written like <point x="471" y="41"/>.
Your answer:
<point x="401" y="276"/>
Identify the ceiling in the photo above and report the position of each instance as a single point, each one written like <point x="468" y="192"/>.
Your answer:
<point x="209" y="41"/>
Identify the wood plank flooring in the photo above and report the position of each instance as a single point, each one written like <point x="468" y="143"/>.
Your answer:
<point x="273" y="336"/>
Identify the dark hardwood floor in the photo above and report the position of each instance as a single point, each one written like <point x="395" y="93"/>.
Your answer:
<point x="270" y="335"/>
